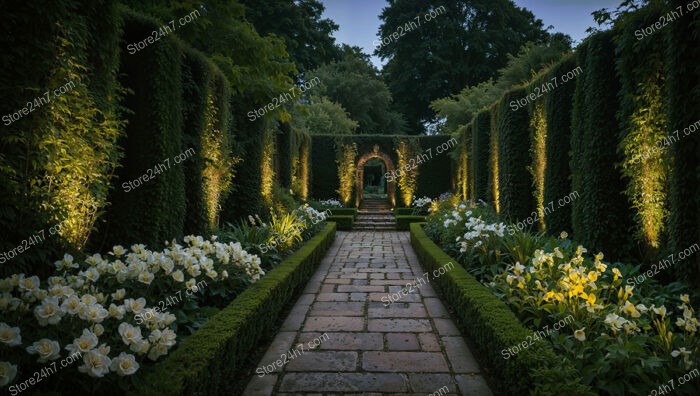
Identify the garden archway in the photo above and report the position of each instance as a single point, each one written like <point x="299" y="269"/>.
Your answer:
<point x="359" y="176"/>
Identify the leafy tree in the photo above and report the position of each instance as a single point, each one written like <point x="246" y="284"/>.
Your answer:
<point x="326" y="117"/>
<point x="355" y="84"/>
<point x="307" y="37"/>
<point x="459" y="109"/>
<point x="463" y="44"/>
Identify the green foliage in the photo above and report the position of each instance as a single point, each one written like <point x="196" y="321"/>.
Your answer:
<point x="605" y="216"/>
<point x="154" y="211"/>
<point x="515" y="187"/>
<point x="484" y="318"/>
<point x="642" y="116"/>
<point x="481" y="136"/>
<point x="683" y="84"/>
<point x="578" y="117"/>
<point x="493" y="188"/>
<point x="58" y="159"/>
<point x="461" y="108"/>
<point x="328" y="118"/>
<point x="344" y="222"/>
<point x="308" y="39"/>
<point x="538" y="141"/>
<point x="404" y="222"/>
<point x="557" y="178"/>
<point x="324" y="171"/>
<point x="464" y="44"/>
<point x="355" y="85"/>
<point x="212" y="359"/>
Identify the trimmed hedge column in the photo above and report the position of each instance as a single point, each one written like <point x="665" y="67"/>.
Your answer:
<point x="605" y="215"/>
<point x="481" y="136"/>
<point x="557" y="182"/>
<point x="683" y="84"/>
<point x="515" y="196"/>
<point x="148" y="202"/>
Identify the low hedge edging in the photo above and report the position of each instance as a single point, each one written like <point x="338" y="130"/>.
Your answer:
<point x="403" y="211"/>
<point x="344" y="212"/>
<point x="345" y="222"/>
<point x="493" y="327"/>
<point x="207" y="362"/>
<point x="403" y="222"/>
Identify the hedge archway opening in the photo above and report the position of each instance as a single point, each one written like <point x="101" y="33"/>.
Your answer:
<point x="360" y="169"/>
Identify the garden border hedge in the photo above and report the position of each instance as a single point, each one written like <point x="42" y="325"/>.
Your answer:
<point x="344" y="212"/>
<point x="404" y="222"/>
<point x="207" y="362"/>
<point x="344" y="222"/>
<point x="493" y="327"/>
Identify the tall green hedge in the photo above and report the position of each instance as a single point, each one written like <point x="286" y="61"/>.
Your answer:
<point x="605" y="216"/>
<point x="249" y="137"/>
<point x="196" y="87"/>
<point x="153" y="211"/>
<point x="434" y="176"/>
<point x="578" y="116"/>
<point x="492" y="189"/>
<point x="481" y="136"/>
<point x="557" y="182"/>
<point x="683" y="90"/>
<point x="57" y="159"/>
<point x="642" y="117"/>
<point x="515" y="195"/>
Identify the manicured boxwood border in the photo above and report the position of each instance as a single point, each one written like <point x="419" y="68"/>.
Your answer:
<point x="403" y="222"/>
<point x="207" y="362"/>
<point x="344" y="212"/>
<point x="403" y="212"/>
<point x="493" y="327"/>
<point x="345" y="222"/>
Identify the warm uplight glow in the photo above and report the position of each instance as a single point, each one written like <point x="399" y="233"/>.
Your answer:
<point x="267" y="171"/>
<point x="218" y="163"/>
<point x="407" y="179"/>
<point x="304" y="171"/>
<point x="345" y="159"/>
<point x="493" y="160"/>
<point x="538" y="123"/>
<point x="462" y="171"/>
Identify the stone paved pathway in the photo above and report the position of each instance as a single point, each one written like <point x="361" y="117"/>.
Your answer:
<point x="340" y="338"/>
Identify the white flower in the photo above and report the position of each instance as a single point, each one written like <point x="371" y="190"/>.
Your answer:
<point x="46" y="349"/>
<point x="84" y="343"/>
<point x="119" y="294"/>
<point x="71" y="305"/>
<point x="117" y="311"/>
<point x="685" y="298"/>
<point x="129" y="333"/>
<point x="98" y="329"/>
<point x="94" y="313"/>
<point x="660" y="310"/>
<point x="10" y="336"/>
<point x="96" y="364"/>
<point x="91" y="274"/>
<point x="8" y="372"/>
<point x="146" y="277"/>
<point x="564" y="235"/>
<point x="157" y="351"/>
<point x="681" y="352"/>
<point x="66" y="264"/>
<point x="580" y="334"/>
<point x="118" y="250"/>
<point x="178" y="276"/>
<point x="124" y="364"/>
<point x="140" y="346"/>
<point x="49" y="312"/>
<point x="28" y="284"/>
<point x="135" y="306"/>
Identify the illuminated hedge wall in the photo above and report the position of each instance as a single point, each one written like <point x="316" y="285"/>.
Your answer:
<point x="515" y="185"/>
<point x="434" y="175"/>
<point x="481" y="137"/>
<point x="58" y="154"/>
<point x="557" y="181"/>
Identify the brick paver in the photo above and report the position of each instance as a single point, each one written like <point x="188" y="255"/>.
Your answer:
<point x="345" y="336"/>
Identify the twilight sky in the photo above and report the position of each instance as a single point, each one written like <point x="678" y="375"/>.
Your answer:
<point x="359" y="19"/>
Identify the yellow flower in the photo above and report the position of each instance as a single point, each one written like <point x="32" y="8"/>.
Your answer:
<point x="660" y="310"/>
<point x="592" y="276"/>
<point x="616" y="272"/>
<point x="685" y="298"/>
<point x="580" y="334"/>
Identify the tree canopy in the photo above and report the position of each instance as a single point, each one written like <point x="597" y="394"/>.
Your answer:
<point x="460" y="43"/>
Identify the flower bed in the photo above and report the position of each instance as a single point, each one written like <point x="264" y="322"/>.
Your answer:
<point x="623" y="339"/>
<point x="102" y="319"/>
